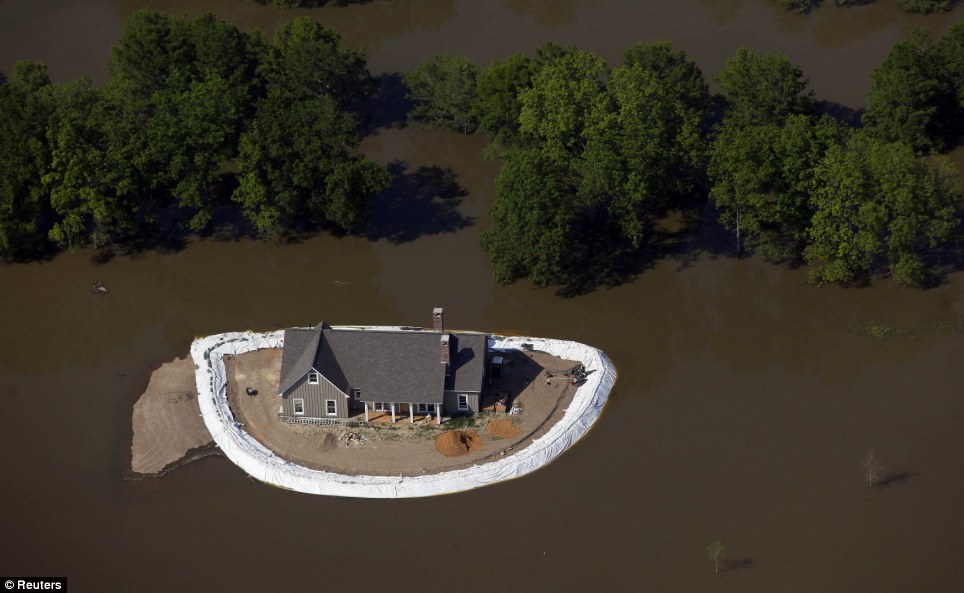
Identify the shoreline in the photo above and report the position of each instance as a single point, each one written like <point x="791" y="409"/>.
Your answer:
<point x="262" y="464"/>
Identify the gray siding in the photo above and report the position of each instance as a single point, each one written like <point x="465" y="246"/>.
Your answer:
<point x="315" y="396"/>
<point x="450" y="404"/>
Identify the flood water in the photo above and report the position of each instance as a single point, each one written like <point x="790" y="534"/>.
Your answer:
<point x="745" y="403"/>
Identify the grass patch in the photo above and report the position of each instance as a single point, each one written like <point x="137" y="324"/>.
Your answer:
<point x="460" y="422"/>
<point x="881" y="331"/>
<point x="878" y="330"/>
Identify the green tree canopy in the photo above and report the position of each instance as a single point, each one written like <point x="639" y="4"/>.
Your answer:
<point x="93" y="187"/>
<point x="951" y="50"/>
<point x="762" y="176"/>
<point x="678" y="74"/>
<point x="564" y="97"/>
<point x="878" y="205"/>
<point x="25" y="107"/>
<point x="912" y="99"/>
<point x="498" y="106"/>
<point x="444" y="91"/>
<point x="307" y="60"/>
<point x="763" y="88"/>
<point x="532" y="220"/>
<point x="296" y="168"/>
<point x="645" y="146"/>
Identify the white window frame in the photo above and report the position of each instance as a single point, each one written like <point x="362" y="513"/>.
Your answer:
<point x="314" y="378"/>
<point x="356" y="394"/>
<point x="463" y="403"/>
<point x="330" y="404"/>
<point x="294" y="406"/>
<point x="424" y="408"/>
<point x="380" y="406"/>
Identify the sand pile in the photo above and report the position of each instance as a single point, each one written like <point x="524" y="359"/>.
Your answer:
<point x="167" y="422"/>
<point x="503" y="428"/>
<point x="458" y="442"/>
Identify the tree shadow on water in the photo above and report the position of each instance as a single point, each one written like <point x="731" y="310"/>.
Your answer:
<point x="732" y="564"/>
<point x="421" y="202"/>
<point x="894" y="478"/>
<point x="388" y="107"/>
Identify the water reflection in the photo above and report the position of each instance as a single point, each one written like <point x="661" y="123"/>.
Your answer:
<point x="723" y="11"/>
<point x="551" y="13"/>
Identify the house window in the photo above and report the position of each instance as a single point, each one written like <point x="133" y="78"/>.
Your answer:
<point x="381" y="407"/>
<point x="330" y="407"/>
<point x="299" y="407"/>
<point x="424" y="408"/>
<point x="463" y="402"/>
<point x="313" y="378"/>
<point x="356" y="393"/>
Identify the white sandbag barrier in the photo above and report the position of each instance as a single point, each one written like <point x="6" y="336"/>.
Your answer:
<point x="264" y="465"/>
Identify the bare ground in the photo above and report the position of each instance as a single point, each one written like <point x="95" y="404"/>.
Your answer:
<point x="167" y="422"/>
<point x="401" y="448"/>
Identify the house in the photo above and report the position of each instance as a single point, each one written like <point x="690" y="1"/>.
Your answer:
<point x="330" y="374"/>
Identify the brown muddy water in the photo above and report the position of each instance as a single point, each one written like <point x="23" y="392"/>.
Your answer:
<point x="745" y="403"/>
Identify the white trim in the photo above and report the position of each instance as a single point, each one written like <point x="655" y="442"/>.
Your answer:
<point x="333" y="406"/>
<point x="317" y="377"/>
<point x="466" y="406"/>
<point x="379" y="406"/>
<point x="294" y="406"/>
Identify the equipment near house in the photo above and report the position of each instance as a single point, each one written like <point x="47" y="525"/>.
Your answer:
<point x="251" y="391"/>
<point x="577" y="374"/>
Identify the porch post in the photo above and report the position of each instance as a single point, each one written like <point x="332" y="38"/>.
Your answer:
<point x="393" y="412"/>
<point x="366" y="411"/>
<point x="438" y="414"/>
<point x="411" y="413"/>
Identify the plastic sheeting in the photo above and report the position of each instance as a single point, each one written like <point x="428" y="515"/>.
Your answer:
<point x="262" y="464"/>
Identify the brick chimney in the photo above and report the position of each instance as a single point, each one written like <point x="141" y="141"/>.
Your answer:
<point x="446" y="356"/>
<point x="437" y="320"/>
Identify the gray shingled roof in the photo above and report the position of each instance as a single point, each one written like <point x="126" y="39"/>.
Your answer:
<point x="298" y="355"/>
<point x="388" y="366"/>
<point x="468" y="362"/>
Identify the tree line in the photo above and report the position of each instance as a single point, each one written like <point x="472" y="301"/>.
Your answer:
<point x="187" y="102"/>
<point x="910" y="6"/>
<point x="595" y="156"/>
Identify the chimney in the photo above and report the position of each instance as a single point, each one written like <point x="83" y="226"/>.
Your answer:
<point x="446" y="358"/>
<point x="437" y="320"/>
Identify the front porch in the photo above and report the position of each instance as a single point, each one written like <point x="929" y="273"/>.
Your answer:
<point x="390" y="413"/>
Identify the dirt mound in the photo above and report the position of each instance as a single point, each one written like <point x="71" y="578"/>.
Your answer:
<point x="503" y="428"/>
<point x="458" y="442"/>
<point x="330" y="442"/>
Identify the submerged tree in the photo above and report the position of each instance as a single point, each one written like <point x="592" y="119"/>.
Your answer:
<point x="762" y="177"/>
<point x="872" y="468"/>
<point x="645" y="145"/>
<point x="532" y="220"/>
<point x="297" y="171"/>
<point x="444" y="91"/>
<point x="25" y="107"/>
<point x="307" y="61"/>
<point x="912" y="99"/>
<point x="763" y="88"/>
<point x="716" y="552"/>
<point x="498" y="106"/>
<point x="877" y="204"/>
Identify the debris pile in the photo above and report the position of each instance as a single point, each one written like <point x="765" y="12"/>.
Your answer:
<point x="350" y="438"/>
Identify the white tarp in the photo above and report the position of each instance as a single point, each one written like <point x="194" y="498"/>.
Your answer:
<point x="264" y="465"/>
